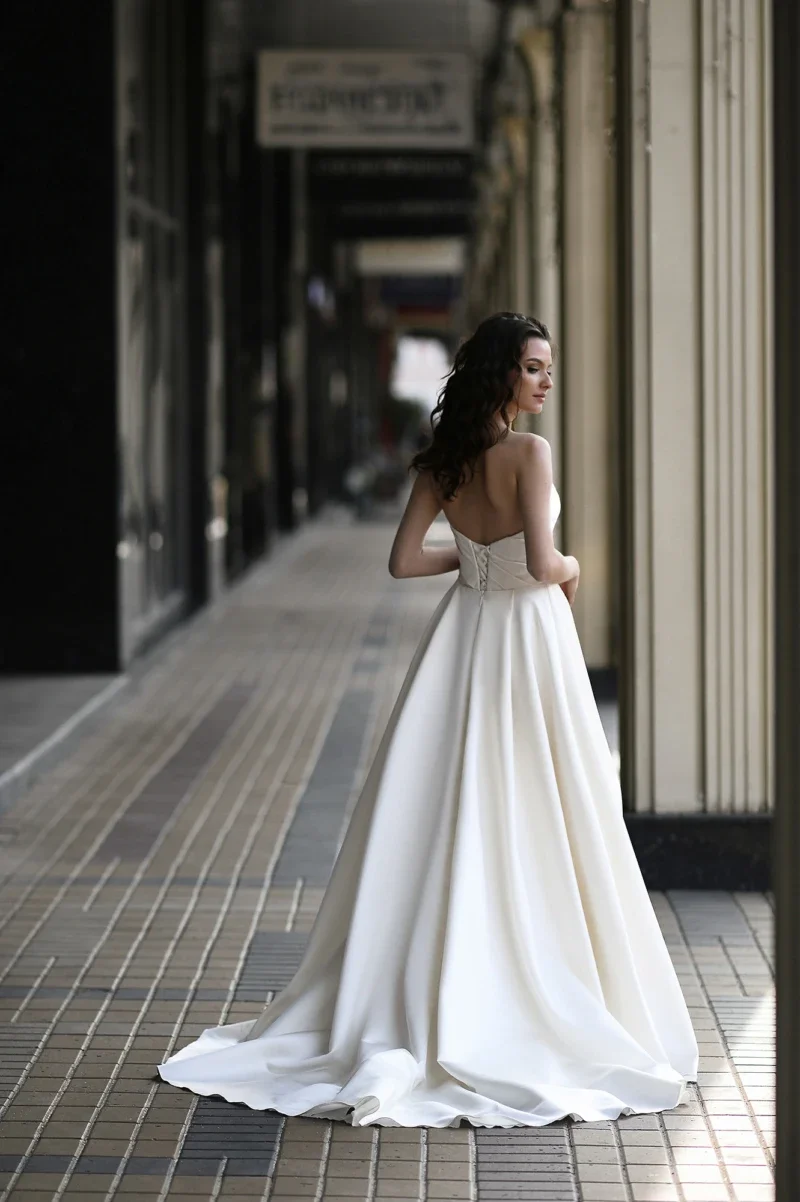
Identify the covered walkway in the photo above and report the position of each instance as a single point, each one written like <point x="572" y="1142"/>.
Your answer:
<point x="163" y="876"/>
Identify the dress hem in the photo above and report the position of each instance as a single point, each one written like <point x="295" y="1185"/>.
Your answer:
<point x="347" y="1112"/>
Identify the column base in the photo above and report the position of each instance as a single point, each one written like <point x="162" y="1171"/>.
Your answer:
<point x="703" y="851"/>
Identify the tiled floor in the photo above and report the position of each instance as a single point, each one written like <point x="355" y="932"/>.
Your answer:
<point x="163" y="878"/>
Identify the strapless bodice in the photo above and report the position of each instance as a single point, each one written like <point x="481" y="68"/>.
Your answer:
<point x="500" y="565"/>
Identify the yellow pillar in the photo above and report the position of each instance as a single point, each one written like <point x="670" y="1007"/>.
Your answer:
<point x="587" y="369"/>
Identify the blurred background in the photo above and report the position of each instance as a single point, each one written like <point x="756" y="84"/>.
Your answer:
<point x="243" y="241"/>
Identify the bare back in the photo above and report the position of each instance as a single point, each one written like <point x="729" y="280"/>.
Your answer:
<point x="487" y="507"/>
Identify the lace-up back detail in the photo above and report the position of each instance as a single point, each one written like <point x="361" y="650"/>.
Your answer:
<point x="502" y="564"/>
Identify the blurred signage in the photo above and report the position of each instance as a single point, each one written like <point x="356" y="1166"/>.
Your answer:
<point x="400" y="219"/>
<point x="367" y="99"/>
<point x="370" y="174"/>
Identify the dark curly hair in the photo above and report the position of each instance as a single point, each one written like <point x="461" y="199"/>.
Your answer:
<point x="476" y="387"/>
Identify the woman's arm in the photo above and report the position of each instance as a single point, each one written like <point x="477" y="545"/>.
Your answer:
<point x="535" y="483"/>
<point x="408" y="557"/>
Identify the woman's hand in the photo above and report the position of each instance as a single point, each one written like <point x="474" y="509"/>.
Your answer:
<point x="570" y="587"/>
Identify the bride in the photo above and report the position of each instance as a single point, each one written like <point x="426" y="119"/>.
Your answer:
<point x="486" y="948"/>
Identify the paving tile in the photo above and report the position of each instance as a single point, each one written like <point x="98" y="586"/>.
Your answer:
<point x="658" y="1174"/>
<point x="404" y="1152"/>
<point x="119" y="865"/>
<point x="700" y="1156"/>
<point x="393" y="1189"/>
<point x="601" y="1154"/>
<point x="343" y="1187"/>
<point x="743" y="1156"/>
<point x="654" y="1193"/>
<point x="450" y="1170"/>
<point x="604" y="1193"/>
<point x="749" y="1174"/>
<point x="694" y="1174"/>
<point x="242" y="1187"/>
<point x="600" y="1172"/>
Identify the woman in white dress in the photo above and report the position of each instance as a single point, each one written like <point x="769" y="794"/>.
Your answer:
<point x="486" y="948"/>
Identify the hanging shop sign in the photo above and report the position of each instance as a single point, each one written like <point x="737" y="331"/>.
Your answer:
<point x="334" y="176"/>
<point x="399" y="219"/>
<point x="360" y="98"/>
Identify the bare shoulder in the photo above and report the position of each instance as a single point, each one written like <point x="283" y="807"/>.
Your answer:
<point x="422" y="477"/>
<point x="532" y="449"/>
<point x="424" y="482"/>
<point x="425" y="492"/>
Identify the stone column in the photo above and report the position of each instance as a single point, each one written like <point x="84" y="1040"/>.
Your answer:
<point x="587" y="367"/>
<point x="515" y="129"/>
<point x="536" y="46"/>
<point x="694" y="350"/>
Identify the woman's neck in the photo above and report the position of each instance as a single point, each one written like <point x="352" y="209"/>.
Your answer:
<point x="501" y="426"/>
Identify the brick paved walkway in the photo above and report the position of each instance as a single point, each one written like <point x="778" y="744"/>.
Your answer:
<point x="163" y="878"/>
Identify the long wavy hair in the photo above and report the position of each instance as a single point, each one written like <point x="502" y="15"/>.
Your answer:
<point x="481" y="381"/>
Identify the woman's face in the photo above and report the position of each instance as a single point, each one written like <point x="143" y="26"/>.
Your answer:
<point x="534" y="380"/>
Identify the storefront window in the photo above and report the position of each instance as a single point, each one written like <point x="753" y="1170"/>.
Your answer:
<point x="150" y="315"/>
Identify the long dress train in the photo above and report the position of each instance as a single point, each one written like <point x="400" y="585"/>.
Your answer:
<point x="486" y="947"/>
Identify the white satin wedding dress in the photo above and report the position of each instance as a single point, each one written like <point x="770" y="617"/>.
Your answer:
<point x="486" y="948"/>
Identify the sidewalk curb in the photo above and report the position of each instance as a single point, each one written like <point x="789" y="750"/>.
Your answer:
<point x="17" y="780"/>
